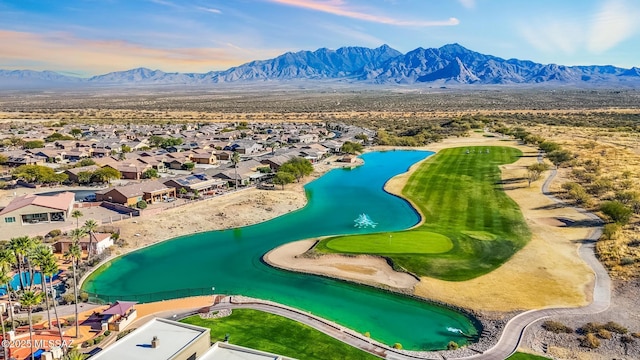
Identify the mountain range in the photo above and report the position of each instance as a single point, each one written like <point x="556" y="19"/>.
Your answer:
<point x="449" y="64"/>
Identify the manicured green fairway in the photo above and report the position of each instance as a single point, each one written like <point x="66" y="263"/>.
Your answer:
<point x="276" y="334"/>
<point x="459" y="193"/>
<point x="404" y="242"/>
<point x="525" y="356"/>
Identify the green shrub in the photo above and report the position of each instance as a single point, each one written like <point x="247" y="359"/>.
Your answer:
<point x="397" y="346"/>
<point x="590" y="341"/>
<point x="577" y="192"/>
<point x="54" y="233"/>
<point x="615" y="327"/>
<point x="627" y="261"/>
<point x="556" y="327"/>
<point x="68" y="298"/>
<point x="600" y="186"/>
<point x="123" y="334"/>
<point x="610" y="231"/>
<point x="367" y="334"/>
<point x="617" y="211"/>
<point x="107" y="333"/>
<point x="141" y="204"/>
<point x="452" y="345"/>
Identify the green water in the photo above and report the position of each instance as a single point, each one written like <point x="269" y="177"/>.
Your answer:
<point x="230" y="260"/>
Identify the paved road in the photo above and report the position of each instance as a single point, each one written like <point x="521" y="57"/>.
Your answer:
<point x="513" y="331"/>
<point x="515" y="328"/>
<point x="506" y="345"/>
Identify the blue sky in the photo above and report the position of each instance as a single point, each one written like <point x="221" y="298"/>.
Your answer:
<point x="88" y="37"/>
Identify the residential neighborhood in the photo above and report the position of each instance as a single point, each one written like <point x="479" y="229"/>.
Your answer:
<point x="125" y="168"/>
<point x="65" y="188"/>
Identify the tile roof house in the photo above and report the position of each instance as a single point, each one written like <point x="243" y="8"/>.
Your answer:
<point x="100" y="242"/>
<point x="33" y="209"/>
<point x="150" y="191"/>
<point x="200" y="182"/>
<point x="73" y="173"/>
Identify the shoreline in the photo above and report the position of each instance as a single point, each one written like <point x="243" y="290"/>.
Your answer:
<point x="479" y="295"/>
<point x="491" y="321"/>
<point x="245" y="207"/>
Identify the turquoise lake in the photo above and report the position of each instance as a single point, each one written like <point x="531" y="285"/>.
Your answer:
<point x="230" y="260"/>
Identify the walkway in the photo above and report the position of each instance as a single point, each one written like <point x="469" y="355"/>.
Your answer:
<point x="511" y="335"/>
<point x="515" y="328"/>
<point x="506" y="345"/>
<point x="328" y="327"/>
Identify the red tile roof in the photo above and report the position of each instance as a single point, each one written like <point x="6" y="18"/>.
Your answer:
<point x="60" y="201"/>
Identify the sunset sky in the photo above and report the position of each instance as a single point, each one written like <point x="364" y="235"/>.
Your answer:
<point x="88" y="37"/>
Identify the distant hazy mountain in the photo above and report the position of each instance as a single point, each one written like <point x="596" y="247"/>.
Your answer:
<point x="450" y="64"/>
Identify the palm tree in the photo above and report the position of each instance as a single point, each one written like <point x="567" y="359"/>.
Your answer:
<point x="4" y="279"/>
<point x="29" y="299"/>
<point x="77" y="235"/>
<point x="50" y="268"/>
<point x="20" y="247"/>
<point x="77" y="214"/>
<point x="6" y="260"/>
<point x="74" y="253"/>
<point x="32" y="245"/>
<point x="90" y="226"/>
<point x="235" y="159"/>
<point x="41" y="256"/>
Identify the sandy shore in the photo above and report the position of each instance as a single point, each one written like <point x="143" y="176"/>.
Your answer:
<point x="242" y="208"/>
<point x="369" y="270"/>
<point x="546" y="272"/>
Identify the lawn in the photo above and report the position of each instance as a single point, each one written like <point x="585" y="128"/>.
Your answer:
<point x="471" y="226"/>
<point x="279" y="335"/>
<point x="403" y="242"/>
<point x="525" y="356"/>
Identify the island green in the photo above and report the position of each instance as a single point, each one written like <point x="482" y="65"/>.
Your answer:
<point x="470" y="226"/>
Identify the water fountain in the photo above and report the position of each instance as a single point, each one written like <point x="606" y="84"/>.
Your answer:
<point x="458" y="331"/>
<point x="364" y="221"/>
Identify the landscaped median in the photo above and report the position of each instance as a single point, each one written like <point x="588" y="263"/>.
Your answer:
<point x="470" y="226"/>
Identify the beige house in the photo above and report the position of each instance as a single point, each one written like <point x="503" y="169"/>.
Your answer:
<point x="100" y="242"/>
<point x="35" y="209"/>
<point x="150" y="191"/>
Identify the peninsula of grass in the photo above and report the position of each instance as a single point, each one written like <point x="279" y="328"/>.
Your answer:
<point x="277" y="334"/>
<point x="470" y="227"/>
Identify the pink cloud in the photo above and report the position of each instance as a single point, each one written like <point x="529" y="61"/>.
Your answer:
<point x="62" y="52"/>
<point x="340" y="8"/>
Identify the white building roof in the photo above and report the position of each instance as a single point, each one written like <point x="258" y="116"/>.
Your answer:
<point x="226" y="351"/>
<point x="172" y="338"/>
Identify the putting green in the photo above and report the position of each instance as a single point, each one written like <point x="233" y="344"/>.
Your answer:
<point x="471" y="226"/>
<point x="404" y="242"/>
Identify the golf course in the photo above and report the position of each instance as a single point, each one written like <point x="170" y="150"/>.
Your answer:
<point x="470" y="226"/>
